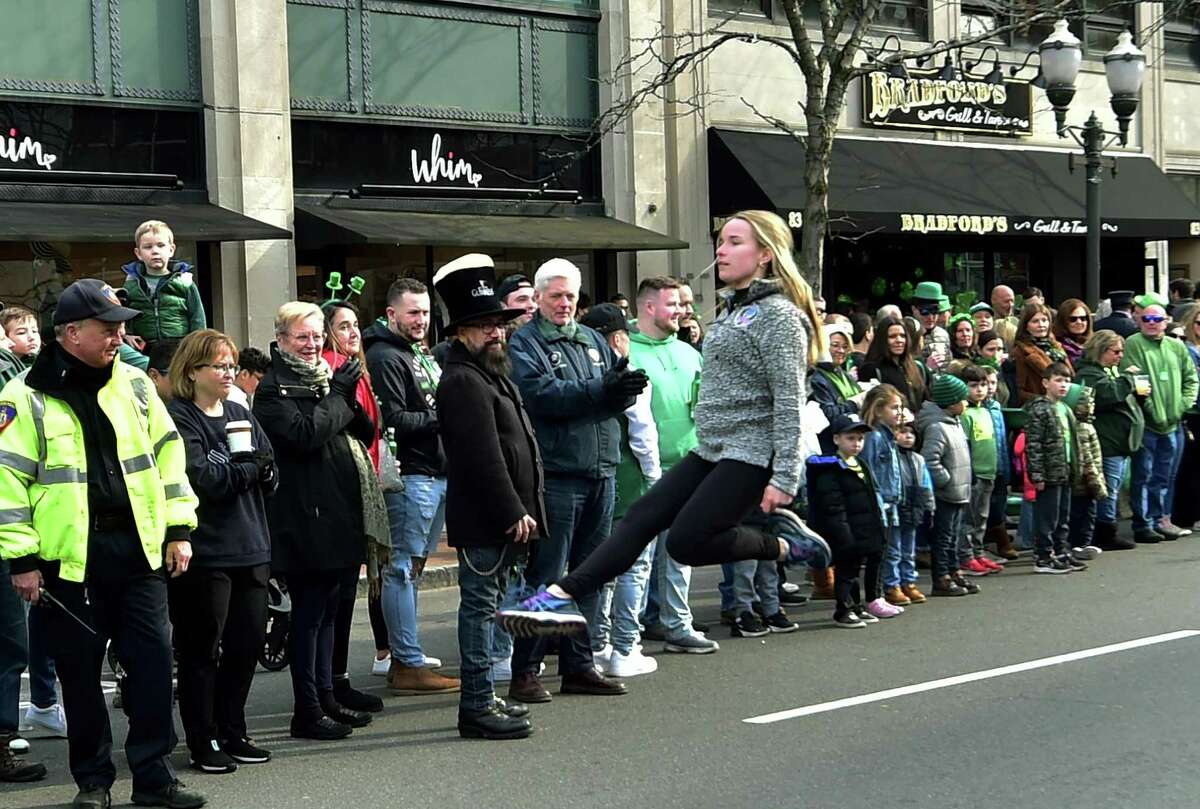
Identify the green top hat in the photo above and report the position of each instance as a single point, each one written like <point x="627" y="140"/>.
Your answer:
<point x="928" y="292"/>
<point x="334" y="283"/>
<point x="944" y="303"/>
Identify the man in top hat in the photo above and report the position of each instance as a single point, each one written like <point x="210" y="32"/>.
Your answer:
<point x="1121" y="320"/>
<point x="94" y="487"/>
<point x="928" y="307"/>
<point x="494" y="507"/>
<point x="574" y="388"/>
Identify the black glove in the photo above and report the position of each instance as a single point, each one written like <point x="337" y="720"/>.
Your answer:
<point x="345" y="379"/>
<point x="245" y="462"/>
<point x="620" y="382"/>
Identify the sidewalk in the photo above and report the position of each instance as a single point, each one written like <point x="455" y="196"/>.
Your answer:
<point x="441" y="570"/>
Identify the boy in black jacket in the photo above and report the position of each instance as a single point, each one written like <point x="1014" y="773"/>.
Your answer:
<point x="844" y="509"/>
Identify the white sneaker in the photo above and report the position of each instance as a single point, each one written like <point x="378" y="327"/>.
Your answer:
<point x="602" y="658"/>
<point x="433" y="662"/>
<point x="18" y="746"/>
<point x="379" y="668"/>
<point x="632" y="664"/>
<point x="52" y="720"/>
<point x="502" y="670"/>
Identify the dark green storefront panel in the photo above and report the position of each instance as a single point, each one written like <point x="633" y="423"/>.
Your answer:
<point x="44" y="46"/>
<point x="421" y="65"/>
<point x="154" y="45"/>
<point x="318" y="56"/>
<point x="565" y="73"/>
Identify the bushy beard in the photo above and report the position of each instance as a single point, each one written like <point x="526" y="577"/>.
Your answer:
<point x="496" y="363"/>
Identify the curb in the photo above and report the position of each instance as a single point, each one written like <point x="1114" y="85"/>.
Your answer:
<point x="434" y="578"/>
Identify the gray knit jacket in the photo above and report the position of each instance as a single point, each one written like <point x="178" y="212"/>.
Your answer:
<point x="752" y="391"/>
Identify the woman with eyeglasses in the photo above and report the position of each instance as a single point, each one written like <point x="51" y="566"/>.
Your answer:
<point x="219" y="609"/>
<point x="324" y="507"/>
<point x="1034" y="350"/>
<point x="1073" y="327"/>
<point x="1119" y="423"/>
<point x="343" y="343"/>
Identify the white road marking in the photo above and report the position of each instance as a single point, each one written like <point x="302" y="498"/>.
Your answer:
<point x="976" y="676"/>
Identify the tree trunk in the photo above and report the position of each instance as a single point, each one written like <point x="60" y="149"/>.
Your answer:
<point x="816" y="209"/>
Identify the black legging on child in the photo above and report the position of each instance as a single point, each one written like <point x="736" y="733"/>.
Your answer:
<point x="703" y="504"/>
<point x="846" y="570"/>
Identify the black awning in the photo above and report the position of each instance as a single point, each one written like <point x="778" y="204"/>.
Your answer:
<point x="895" y="186"/>
<point x="319" y="224"/>
<point x="96" y="222"/>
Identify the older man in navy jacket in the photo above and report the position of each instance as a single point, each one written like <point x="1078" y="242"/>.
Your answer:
<point x="574" y="387"/>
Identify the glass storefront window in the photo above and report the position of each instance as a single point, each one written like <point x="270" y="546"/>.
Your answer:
<point x="1012" y="269"/>
<point x="962" y="272"/>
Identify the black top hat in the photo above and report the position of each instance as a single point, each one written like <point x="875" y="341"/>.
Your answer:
<point x="467" y="286"/>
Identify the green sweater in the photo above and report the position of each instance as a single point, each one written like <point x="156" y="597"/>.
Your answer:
<point x="1173" y="381"/>
<point x="674" y="370"/>
<point x="981" y="440"/>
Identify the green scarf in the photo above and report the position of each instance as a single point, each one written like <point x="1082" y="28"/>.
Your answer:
<point x="1053" y="350"/>
<point x="570" y="331"/>
<point x="841" y="381"/>
<point x="375" y="517"/>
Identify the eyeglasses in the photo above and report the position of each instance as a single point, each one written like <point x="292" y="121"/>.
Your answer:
<point x="220" y="368"/>
<point x="1153" y="318"/>
<point x="485" y="327"/>
<point x="1078" y="318"/>
<point x="310" y="337"/>
<point x="926" y="311"/>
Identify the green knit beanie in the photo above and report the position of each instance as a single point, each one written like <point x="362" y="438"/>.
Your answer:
<point x="948" y="390"/>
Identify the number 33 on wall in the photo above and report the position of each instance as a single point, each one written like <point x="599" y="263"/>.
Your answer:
<point x="795" y="219"/>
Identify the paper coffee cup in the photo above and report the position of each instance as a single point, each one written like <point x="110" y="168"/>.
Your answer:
<point x="238" y="434"/>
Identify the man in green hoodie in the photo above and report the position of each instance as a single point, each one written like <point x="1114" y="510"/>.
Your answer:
<point x="674" y="370"/>
<point x="1173" y="387"/>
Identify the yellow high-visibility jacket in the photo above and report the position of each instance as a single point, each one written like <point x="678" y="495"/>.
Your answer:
<point x="43" y="471"/>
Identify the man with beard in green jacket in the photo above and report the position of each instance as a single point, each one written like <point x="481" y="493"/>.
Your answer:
<point x="674" y="370"/>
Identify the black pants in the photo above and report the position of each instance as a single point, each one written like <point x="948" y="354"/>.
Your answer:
<point x="131" y="609"/>
<point x="703" y="504"/>
<point x="315" y="596"/>
<point x="220" y="617"/>
<point x="379" y="628"/>
<point x="846" y="582"/>
<point x="347" y="593"/>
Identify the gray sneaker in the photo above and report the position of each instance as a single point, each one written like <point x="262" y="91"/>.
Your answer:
<point x="693" y="643"/>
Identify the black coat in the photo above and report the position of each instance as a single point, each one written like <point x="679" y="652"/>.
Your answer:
<point x="1122" y="323"/>
<point x="406" y="401"/>
<point x="843" y="508"/>
<point x="316" y="516"/>
<point x="494" y="469"/>
<point x="893" y="374"/>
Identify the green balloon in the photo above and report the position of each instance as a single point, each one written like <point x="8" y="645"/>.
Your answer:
<point x="879" y="287"/>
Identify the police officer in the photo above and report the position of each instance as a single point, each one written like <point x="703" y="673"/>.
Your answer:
<point x="95" y="508"/>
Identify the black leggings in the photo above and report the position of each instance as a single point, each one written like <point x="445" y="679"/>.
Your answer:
<point x="703" y="504"/>
<point x="347" y="593"/>
<point x="846" y="569"/>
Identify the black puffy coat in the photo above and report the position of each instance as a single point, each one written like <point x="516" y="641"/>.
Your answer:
<point x="843" y="508"/>
<point x="316" y="516"/>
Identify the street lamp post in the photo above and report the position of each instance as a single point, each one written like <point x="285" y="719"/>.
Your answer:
<point x="1061" y="56"/>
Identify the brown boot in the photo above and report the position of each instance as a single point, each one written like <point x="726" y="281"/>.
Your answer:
<point x="414" y="680"/>
<point x="822" y="584"/>
<point x="527" y="689"/>
<point x="1004" y="547"/>
<point x="896" y="597"/>
<point x="914" y="595"/>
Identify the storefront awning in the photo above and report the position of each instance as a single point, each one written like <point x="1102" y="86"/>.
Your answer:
<point x="96" y="222"/>
<point x="896" y="186"/>
<point x="319" y="224"/>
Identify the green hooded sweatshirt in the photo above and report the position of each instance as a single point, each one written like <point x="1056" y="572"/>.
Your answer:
<point x="1173" y="382"/>
<point x="674" y="370"/>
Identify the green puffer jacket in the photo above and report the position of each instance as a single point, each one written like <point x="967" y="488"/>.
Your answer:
<point x="1119" y="420"/>
<point x="1046" y="446"/>
<point x="173" y="309"/>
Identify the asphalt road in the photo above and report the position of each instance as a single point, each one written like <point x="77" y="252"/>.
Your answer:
<point x="1117" y="730"/>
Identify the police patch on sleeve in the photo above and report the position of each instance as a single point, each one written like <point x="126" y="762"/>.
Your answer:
<point x="8" y="414"/>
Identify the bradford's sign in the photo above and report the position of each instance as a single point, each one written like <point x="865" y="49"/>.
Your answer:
<point x="924" y="101"/>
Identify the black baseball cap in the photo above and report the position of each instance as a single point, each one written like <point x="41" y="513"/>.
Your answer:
<point x="849" y="423"/>
<point x="606" y="318"/>
<point x="90" y="298"/>
<point x="511" y="284"/>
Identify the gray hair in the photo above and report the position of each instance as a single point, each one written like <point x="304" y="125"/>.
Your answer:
<point x="557" y="268"/>
<point x="888" y="310"/>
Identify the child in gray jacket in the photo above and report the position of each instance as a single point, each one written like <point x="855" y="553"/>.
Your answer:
<point x="944" y="447"/>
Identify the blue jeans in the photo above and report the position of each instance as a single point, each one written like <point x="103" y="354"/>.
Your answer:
<point x="1052" y="520"/>
<point x="725" y="587"/>
<point x="947" y="532"/>
<point x="667" y="595"/>
<point x="483" y="577"/>
<point x="753" y="577"/>
<point x="1180" y="445"/>
<point x="900" y="559"/>
<point x="1114" y="475"/>
<point x="620" y="603"/>
<point x="416" y="515"/>
<point x="1025" y="527"/>
<point x="14" y="652"/>
<point x="42" y="674"/>
<point x="579" y="512"/>
<point x="1083" y="521"/>
<point x="1150" y="479"/>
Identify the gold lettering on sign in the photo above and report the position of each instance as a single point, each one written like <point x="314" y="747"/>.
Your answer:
<point x="889" y="94"/>
<point x="952" y="223"/>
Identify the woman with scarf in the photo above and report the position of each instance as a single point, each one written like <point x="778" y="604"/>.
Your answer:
<point x="1073" y="327"/>
<point x="830" y="386"/>
<point x="343" y="342"/>
<point x="327" y="503"/>
<point x="1034" y="349"/>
